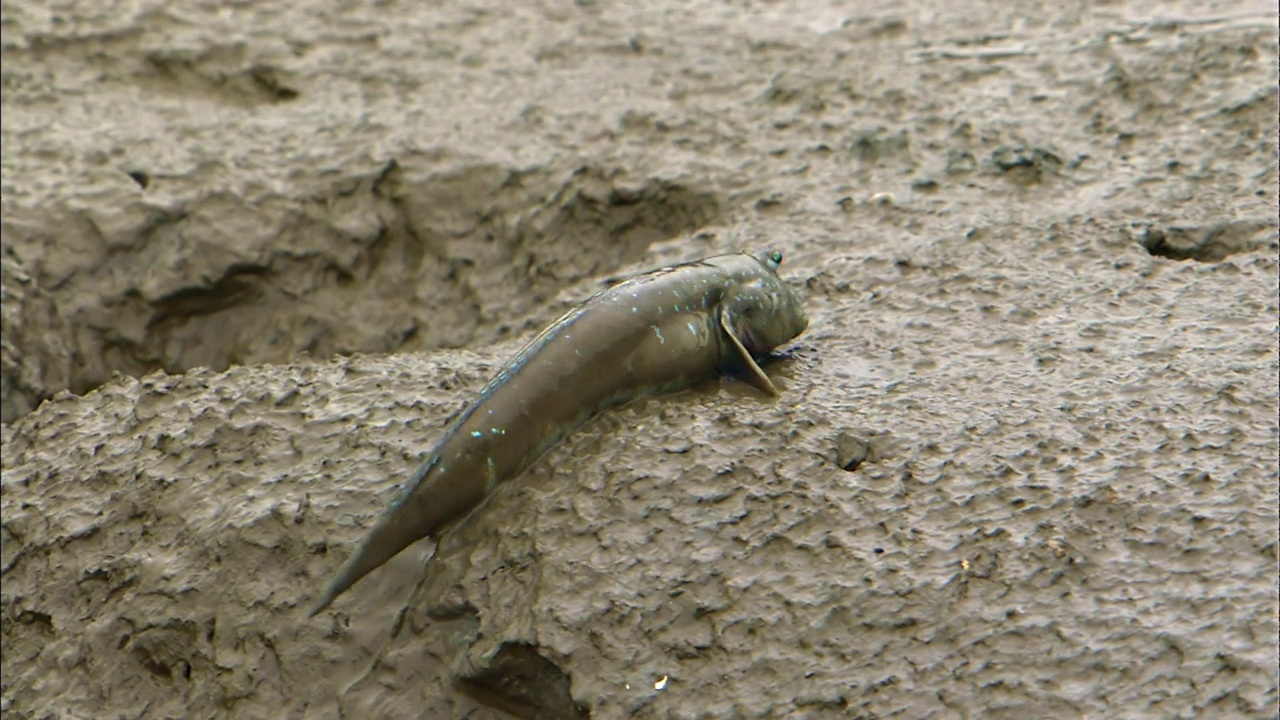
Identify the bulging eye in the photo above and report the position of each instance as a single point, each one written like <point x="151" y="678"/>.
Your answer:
<point x="775" y="257"/>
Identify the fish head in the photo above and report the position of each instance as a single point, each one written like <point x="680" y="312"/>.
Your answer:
<point x="762" y="310"/>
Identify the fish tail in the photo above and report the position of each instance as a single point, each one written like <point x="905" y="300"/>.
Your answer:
<point x="394" y="533"/>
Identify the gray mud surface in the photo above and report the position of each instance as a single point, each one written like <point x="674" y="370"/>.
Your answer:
<point x="1025" y="460"/>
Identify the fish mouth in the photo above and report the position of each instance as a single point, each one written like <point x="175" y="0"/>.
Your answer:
<point x="760" y="341"/>
<point x="800" y="325"/>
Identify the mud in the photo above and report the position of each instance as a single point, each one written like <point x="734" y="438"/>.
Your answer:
<point x="1025" y="459"/>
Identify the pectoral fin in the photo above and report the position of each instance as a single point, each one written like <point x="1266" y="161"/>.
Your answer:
<point x="753" y="375"/>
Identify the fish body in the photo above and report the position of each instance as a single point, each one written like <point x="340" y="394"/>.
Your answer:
<point x="657" y="332"/>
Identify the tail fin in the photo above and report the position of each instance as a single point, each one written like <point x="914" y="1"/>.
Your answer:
<point x="394" y="532"/>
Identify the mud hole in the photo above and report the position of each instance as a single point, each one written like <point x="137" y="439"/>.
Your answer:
<point x="402" y="261"/>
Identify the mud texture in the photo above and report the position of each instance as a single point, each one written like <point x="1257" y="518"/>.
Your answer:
<point x="1024" y="463"/>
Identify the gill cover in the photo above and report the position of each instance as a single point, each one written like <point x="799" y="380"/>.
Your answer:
<point x="759" y="315"/>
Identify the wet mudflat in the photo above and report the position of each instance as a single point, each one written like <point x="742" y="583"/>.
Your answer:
<point x="1025" y="459"/>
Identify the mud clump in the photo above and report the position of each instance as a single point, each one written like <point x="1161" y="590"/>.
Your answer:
<point x="1212" y="243"/>
<point x="36" y="357"/>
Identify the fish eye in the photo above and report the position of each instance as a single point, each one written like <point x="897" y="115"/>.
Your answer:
<point x="775" y="257"/>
